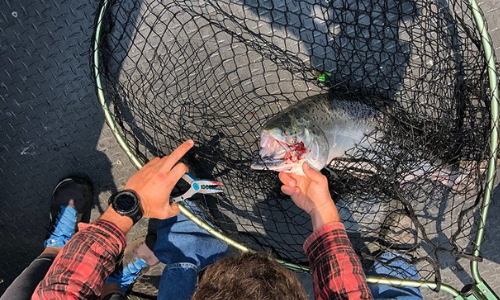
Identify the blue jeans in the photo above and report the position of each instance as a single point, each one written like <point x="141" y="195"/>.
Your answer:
<point x="185" y="249"/>
<point x="397" y="268"/>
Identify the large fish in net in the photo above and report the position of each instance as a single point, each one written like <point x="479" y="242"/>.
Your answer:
<point x="217" y="71"/>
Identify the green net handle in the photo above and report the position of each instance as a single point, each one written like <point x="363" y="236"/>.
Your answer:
<point x="489" y="54"/>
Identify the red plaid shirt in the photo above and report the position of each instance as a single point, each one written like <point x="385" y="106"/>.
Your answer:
<point x="82" y="266"/>
<point x="80" y="269"/>
<point x="337" y="270"/>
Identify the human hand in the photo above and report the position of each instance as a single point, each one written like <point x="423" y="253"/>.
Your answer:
<point x="154" y="182"/>
<point x="307" y="192"/>
<point x="311" y="193"/>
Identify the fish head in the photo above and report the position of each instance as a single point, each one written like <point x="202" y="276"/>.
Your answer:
<point x="285" y="148"/>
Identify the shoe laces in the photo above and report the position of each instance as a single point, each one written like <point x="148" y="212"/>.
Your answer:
<point x="64" y="227"/>
<point x="127" y="276"/>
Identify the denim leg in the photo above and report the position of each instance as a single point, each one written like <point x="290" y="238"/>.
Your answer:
<point x="184" y="248"/>
<point x="24" y="285"/>
<point x="398" y="268"/>
<point x="178" y="281"/>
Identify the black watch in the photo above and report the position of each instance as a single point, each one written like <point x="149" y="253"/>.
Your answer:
<point x="127" y="203"/>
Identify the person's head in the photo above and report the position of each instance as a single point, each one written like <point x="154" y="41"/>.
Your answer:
<point x="250" y="277"/>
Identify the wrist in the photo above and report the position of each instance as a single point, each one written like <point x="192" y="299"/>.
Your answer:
<point x="124" y="223"/>
<point x="324" y="214"/>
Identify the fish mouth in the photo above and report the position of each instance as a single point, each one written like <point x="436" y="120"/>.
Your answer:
<point x="273" y="164"/>
<point x="276" y="154"/>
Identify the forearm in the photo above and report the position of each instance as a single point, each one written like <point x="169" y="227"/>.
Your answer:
<point x="80" y="269"/>
<point x="324" y="214"/>
<point x="337" y="270"/>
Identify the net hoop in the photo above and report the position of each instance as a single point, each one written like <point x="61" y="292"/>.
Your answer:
<point x="489" y="55"/>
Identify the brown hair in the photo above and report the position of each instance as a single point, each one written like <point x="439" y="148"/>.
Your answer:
<point x="251" y="276"/>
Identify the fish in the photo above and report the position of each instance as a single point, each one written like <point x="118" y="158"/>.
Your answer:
<point x="316" y="130"/>
<point x="326" y="126"/>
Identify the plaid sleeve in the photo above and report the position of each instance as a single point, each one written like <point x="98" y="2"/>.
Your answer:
<point x="337" y="270"/>
<point x="80" y="269"/>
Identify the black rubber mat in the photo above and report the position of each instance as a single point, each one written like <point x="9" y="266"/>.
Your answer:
<point x="50" y="122"/>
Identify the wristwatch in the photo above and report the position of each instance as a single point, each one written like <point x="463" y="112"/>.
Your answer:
<point x="127" y="203"/>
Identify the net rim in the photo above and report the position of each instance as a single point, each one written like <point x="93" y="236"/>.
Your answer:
<point x="489" y="54"/>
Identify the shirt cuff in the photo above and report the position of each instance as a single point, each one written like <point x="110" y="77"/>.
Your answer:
<point x="331" y="236"/>
<point x="111" y="230"/>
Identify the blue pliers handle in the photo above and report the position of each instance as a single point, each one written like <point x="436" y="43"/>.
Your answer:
<point x="201" y="186"/>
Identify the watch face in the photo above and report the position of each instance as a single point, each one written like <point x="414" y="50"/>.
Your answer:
<point x="125" y="202"/>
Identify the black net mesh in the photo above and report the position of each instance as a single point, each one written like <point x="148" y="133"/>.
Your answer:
<point x="216" y="71"/>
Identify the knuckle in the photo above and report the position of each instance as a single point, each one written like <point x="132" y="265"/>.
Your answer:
<point x="185" y="168"/>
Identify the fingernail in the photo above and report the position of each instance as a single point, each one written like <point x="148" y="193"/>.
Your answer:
<point x="190" y="142"/>
<point x="292" y="183"/>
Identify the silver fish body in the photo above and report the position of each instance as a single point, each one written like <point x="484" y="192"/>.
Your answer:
<point x="317" y="130"/>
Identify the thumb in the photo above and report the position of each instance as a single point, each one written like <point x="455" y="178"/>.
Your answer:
<point x="168" y="211"/>
<point x="173" y="209"/>
<point x="314" y="175"/>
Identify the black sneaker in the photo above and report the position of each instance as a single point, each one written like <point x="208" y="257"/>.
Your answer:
<point x="63" y="218"/>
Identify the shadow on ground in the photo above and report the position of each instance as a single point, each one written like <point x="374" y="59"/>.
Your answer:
<point x="50" y="123"/>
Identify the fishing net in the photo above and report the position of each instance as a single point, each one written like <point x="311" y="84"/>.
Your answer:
<point x="216" y="71"/>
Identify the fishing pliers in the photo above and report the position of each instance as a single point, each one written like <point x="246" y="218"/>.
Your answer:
<point x="202" y="186"/>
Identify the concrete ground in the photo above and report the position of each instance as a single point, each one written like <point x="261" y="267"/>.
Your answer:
<point x="51" y="126"/>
